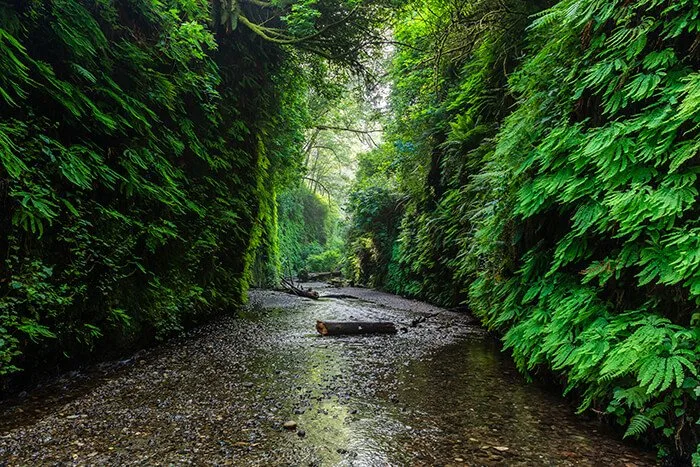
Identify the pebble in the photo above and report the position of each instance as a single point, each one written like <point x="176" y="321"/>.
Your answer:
<point x="252" y="420"/>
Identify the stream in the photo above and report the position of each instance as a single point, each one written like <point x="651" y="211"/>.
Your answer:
<point x="438" y="394"/>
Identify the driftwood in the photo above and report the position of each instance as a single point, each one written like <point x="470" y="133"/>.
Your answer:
<point x="340" y="296"/>
<point x="299" y="291"/>
<point x="307" y="293"/>
<point x="337" y="328"/>
<point x="322" y="276"/>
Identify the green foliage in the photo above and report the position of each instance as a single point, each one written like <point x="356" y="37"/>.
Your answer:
<point x="308" y="231"/>
<point x="141" y="151"/>
<point x="376" y="211"/>
<point x="553" y="188"/>
<point x="605" y="292"/>
<point x="328" y="260"/>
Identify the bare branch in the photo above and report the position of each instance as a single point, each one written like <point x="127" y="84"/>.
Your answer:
<point x="317" y="183"/>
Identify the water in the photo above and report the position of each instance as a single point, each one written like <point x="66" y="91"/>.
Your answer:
<point x="438" y="394"/>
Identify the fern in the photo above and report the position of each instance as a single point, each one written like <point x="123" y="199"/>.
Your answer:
<point x="140" y="156"/>
<point x="575" y="232"/>
<point x="638" y="424"/>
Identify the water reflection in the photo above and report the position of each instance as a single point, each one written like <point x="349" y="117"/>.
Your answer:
<point x="431" y="397"/>
<point x="440" y="394"/>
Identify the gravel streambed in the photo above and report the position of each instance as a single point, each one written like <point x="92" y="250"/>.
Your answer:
<point x="263" y="388"/>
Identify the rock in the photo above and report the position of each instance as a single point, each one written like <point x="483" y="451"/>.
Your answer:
<point x="290" y="425"/>
<point x="501" y="448"/>
<point x="459" y="459"/>
<point x="301" y="433"/>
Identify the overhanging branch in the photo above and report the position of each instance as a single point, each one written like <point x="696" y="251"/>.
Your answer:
<point x="274" y="35"/>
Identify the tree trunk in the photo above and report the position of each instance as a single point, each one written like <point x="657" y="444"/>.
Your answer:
<point x="337" y="328"/>
<point x="306" y="293"/>
<point x="299" y="291"/>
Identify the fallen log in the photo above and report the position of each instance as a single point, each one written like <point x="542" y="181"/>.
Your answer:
<point x="306" y="293"/>
<point x="340" y="296"/>
<point x="299" y="291"/>
<point x="338" y="328"/>
<point x="321" y="276"/>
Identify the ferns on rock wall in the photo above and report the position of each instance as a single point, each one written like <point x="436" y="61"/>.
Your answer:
<point x="572" y="222"/>
<point x="139" y="150"/>
<point x="602" y="158"/>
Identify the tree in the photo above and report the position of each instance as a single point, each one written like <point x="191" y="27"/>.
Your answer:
<point x="344" y="32"/>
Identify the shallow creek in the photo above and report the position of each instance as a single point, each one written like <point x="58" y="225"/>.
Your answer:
<point x="440" y="393"/>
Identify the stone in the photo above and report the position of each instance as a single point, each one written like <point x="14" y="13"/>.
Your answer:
<point x="290" y="425"/>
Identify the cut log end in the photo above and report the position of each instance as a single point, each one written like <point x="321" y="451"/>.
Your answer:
<point x="338" y="328"/>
